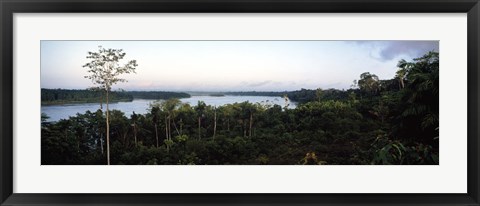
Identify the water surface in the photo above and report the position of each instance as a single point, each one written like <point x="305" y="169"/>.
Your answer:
<point x="140" y="106"/>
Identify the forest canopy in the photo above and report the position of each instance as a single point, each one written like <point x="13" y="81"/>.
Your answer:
<point x="377" y="121"/>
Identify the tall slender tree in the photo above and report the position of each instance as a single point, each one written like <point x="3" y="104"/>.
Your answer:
<point x="402" y="72"/>
<point x="200" y="109"/>
<point x="170" y="106"/>
<point x="104" y="70"/>
<point x="155" y="112"/>
<point x="214" y="122"/>
<point x="134" y="117"/>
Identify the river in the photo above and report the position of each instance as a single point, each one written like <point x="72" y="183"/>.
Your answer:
<point x="140" y="106"/>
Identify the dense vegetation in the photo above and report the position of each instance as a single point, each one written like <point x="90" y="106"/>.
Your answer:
<point x="69" y="96"/>
<point x="392" y="121"/>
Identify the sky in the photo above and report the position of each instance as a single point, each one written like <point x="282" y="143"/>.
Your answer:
<point x="231" y="65"/>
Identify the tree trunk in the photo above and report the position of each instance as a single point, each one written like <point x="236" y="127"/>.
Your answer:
<point x="166" y="134"/>
<point x="169" y="128"/>
<point x="78" y="145"/>
<point x="101" y="101"/>
<point x="244" y="128"/>
<point x="181" y="126"/>
<point x="101" y="142"/>
<point x="214" y="123"/>
<point x="175" y="126"/>
<point x="251" y="122"/>
<point x="166" y="128"/>
<point x="135" y="132"/>
<point x="108" y="134"/>
<point x="199" y="122"/>
<point x="156" y="133"/>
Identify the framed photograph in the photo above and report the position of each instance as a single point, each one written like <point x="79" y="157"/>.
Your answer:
<point x="264" y="102"/>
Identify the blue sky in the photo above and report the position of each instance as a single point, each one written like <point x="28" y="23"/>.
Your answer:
<point x="232" y="65"/>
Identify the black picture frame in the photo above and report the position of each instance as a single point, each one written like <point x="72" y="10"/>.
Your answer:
<point x="9" y="7"/>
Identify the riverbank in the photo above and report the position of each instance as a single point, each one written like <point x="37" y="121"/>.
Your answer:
<point x="141" y="106"/>
<point x="51" y="103"/>
<point x="81" y="96"/>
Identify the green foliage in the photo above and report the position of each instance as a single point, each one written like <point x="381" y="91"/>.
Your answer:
<point x="394" y="152"/>
<point x="382" y="122"/>
<point x="104" y="67"/>
<point x="369" y="82"/>
<point x="418" y="117"/>
<point x="168" y="142"/>
<point x="181" y="138"/>
<point x="44" y="117"/>
<point x="311" y="159"/>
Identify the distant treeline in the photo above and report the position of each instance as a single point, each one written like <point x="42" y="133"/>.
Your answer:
<point x="157" y="95"/>
<point x="68" y="96"/>
<point x="300" y="96"/>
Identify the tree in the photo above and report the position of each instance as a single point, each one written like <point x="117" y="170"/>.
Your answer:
<point x="421" y="97"/>
<point x="134" y="117"/>
<point x="44" y="117"/>
<point x="287" y="101"/>
<point x="368" y="82"/>
<point x="227" y="112"/>
<point x="169" y="106"/>
<point x="402" y="72"/>
<point x="104" y="70"/>
<point x="200" y="109"/>
<point x="250" y="109"/>
<point x="214" y="122"/>
<point x="155" y="111"/>
<point x="319" y="94"/>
